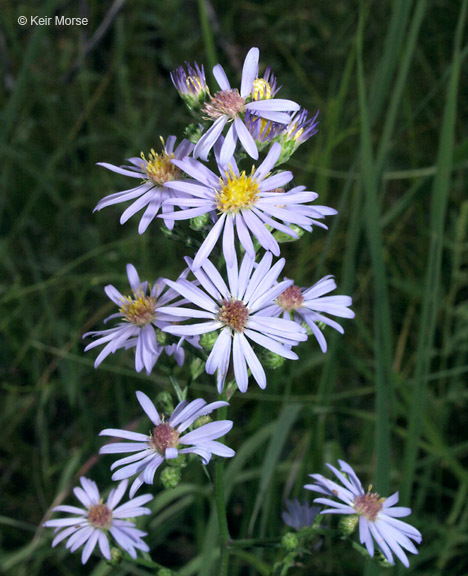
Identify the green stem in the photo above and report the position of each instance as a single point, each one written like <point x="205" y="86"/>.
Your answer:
<point x="221" y="504"/>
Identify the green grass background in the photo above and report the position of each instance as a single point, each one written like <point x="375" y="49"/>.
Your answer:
<point x="390" y="396"/>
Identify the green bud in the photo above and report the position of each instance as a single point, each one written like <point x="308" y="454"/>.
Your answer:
<point x="307" y="328"/>
<point x="165" y="403"/>
<point x="347" y="525"/>
<point x="207" y="341"/>
<point x="290" y="542"/>
<point x="199" y="222"/>
<point x="197" y="367"/>
<point x="162" y="337"/>
<point x="282" y="238"/>
<point x="272" y="360"/>
<point x="321" y="325"/>
<point x="201" y="421"/>
<point x="116" y="556"/>
<point x="193" y="133"/>
<point x="179" y="462"/>
<point x="170" y="477"/>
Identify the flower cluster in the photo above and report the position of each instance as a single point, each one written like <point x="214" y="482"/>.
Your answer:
<point x="228" y="305"/>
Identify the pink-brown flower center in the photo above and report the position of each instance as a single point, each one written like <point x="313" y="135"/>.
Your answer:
<point x="368" y="505"/>
<point x="100" y="515"/>
<point x="164" y="436"/>
<point x="224" y="103"/>
<point x="291" y="299"/>
<point x="234" y="313"/>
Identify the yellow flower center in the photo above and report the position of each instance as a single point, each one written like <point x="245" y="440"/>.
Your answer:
<point x="100" y="516"/>
<point x="194" y="83"/>
<point x="261" y="89"/>
<point x="159" y="167"/>
<point x="139" y="310"/>
<point x="237" y="192"/>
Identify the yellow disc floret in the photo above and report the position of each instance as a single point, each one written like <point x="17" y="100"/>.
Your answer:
<point x="261" y="89"/>
<point x="159" y="167"/>
<point x="139" y="310"/>
<point x="237" y="192"/>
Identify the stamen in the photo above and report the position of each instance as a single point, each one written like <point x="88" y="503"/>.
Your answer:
<point x="164" y="436"/>
<point x="159" y="167"/>
<point x="237" y="192"/>
<point x="100" y="516"/>
<point x="368" y="505"/>
<point x="139" y="310"/>
<point x="234" y="313"/>
<point x="261" y="89"/>
<point x="224" y="103"/>
<point x="290" y="299"/>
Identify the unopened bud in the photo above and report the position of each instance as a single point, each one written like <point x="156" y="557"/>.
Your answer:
<point x="165" y="403"/>
<point x="272" y="360"/>
<point x="170" y="477"/>
<point x="201" y="421"/>
<point x="290" y="542"/>
<point x="347" y="524"/>
<point x="199" y="222"/>
<point x="207" y="341"/>
<point x="116" y="556"/>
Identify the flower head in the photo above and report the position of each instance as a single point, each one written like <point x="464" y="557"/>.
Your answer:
<point x="299" y="515"/>
<point x="139" y="316"/>
<point x="247" y="202"/>
<point x="299" y="129"/>
<point x="156" y="171"/>
<point x="309" y="305"/>
<point x="378" y="517"/>
<point x="167" y="439"/>
<point x="191" y="84"/>
<point x="92" y="524"/>
<point x="236" y="314"/>
<point x="228" y="106"/>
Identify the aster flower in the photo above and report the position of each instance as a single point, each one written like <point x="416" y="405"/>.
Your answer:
<point x="156" y="171"/>
<point x="247" y="203"/>
<point x="300" y="128"/>
<point x="92" y="524"/>
<point x="228" y="106"/>
<point x="237" y="312"/>
<point x="167" y="440"/>
<point x="139" y="315"/>
<point x="191" y="84"/>
<point x="309" y="305"/>
<point x="378" y="517"/>
<point x="299" y="515"/>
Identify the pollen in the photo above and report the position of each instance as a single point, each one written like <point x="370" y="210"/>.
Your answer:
<point x="164" y="436"/>
<point x="100" y="516"/>
<point x="261" y="89"/>
<point x="159" y="167"/>
<point x="194" y="84"/>
<point x="224" y="103"/>
<point x="369" y="505"/>
<point x="237" y="192"/>
<point x="139" y="310"/>
<point x="291" y="299"/>
<point x="234" y="313"/>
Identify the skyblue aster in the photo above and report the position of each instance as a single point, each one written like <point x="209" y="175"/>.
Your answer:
<point x="378" y="517"/>
<point x="299" y="515"/>
<point x="156" y="171"/>
<point x="228" y="106"/>
<point x="167" y="440"/>
<point x="310" y="306"/>
<point x="140" y="315"/>
<point x="245" y="203"/>
<point x="237" y="312"/>
<point x="92" y="524"/>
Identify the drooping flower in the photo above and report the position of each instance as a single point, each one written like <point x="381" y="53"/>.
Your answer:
<point x="167" y="440"/>
<point x="299" y="515"/>
<point x="309" y="305"/>
<point x="156" y="171"/>
<point x="92" y="524"/>
<point x="236" y="311"/>
<point x="247" y="203"/>
<point x="191" y="84"/>
<point x="378" y="517"/>
<point x="228" y="106"/>
<point x="140" y="316"/>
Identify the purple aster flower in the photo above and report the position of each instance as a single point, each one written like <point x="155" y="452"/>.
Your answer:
<point x="378" y="517"/>
<point x="299" y="515"/>
<point x="151" y="193"/>
<point x="301" y="127"/>
<point x="228" y="106"/>
<point x="92" y="524"/>
<point x="139" y="315"/>
<point x="309" y="305"/>
<point x="167" y="440"/>
<point x="247" y="203"/>
<point x="190" y="84"/>
<point x="237" y="312"/>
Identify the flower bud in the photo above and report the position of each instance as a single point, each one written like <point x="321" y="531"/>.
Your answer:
<point x="347" y="524"/>
<point x="170" y="477"/>
<point x="165" y="403"/>
<point x="207" y="341"/>
<point x="116" y="556"/>
<point x="272" y="360"/>
<point x="290" y="542"/>
<point x="199" y="222"/>
<point x="201" y="421"/>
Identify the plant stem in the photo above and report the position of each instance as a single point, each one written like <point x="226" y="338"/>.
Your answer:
<point x="221" y="504"/>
